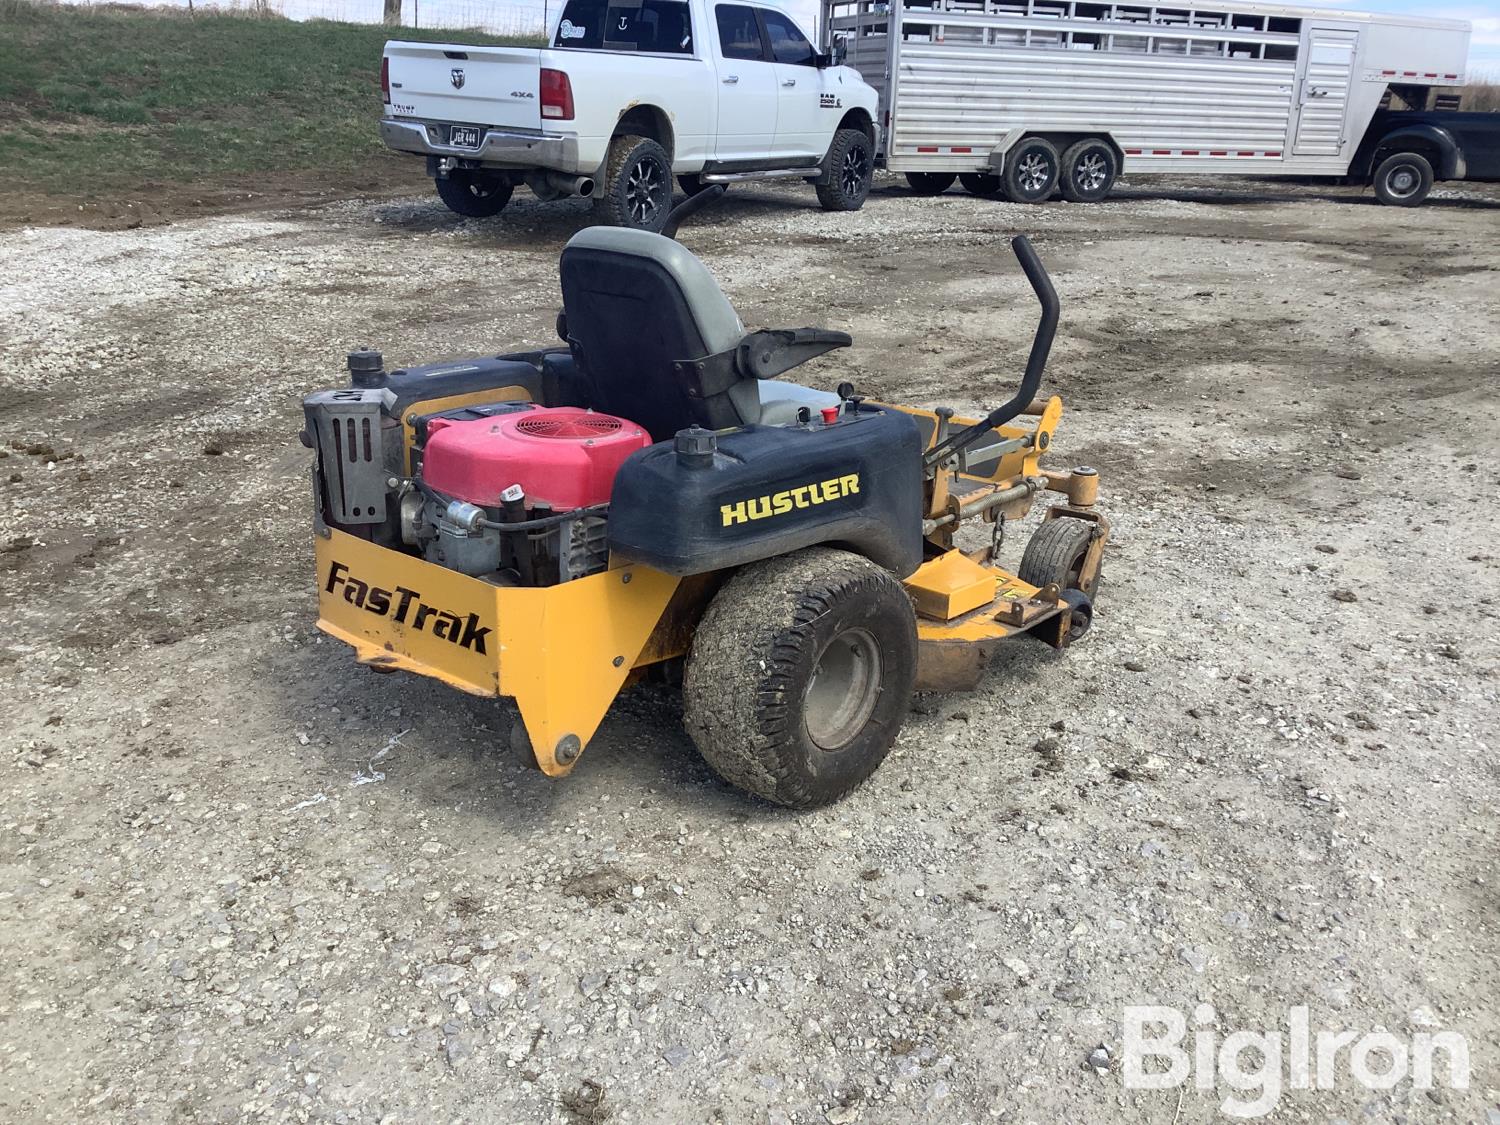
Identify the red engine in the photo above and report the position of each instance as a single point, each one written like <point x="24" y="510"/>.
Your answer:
<point x="562" y="457"/>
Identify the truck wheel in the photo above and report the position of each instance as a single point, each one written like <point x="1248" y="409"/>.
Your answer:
<point x="1030" y="174"/>
<point x="980" y="183"/>
<point x="850" y="164"/>
<point x="692" y="185"/>
<point x="801" y="674"/>
<point x="637" y="188"/>
<point x="474" y="195"/>
<point x="1403" y="179"/>
<point x="1055" y="554"/>
<point x="1089" y="168"/>
<point x="930" y="183"/>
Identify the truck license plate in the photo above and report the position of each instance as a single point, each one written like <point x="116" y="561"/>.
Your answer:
<point x="463" y="136"/>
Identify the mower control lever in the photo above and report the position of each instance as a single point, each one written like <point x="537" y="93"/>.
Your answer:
<point x="1036" y="363"/>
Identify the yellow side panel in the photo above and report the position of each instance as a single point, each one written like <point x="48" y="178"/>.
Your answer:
<point x="565" y="651"/>
<point x="401" y="612"/>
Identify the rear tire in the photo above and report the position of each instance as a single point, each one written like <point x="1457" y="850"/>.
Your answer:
<point x="850" y="164"/>
<point x="1403" y="179"/>
<point x="1055" y="555"/>
<point x="474" y="195"/>
<point x="980" y="183"/>
<point x="1030" y="174"/>
<point x="801" y="674"/>
<point x="1089" y="168"/>
<point x="692" y="185"/>
<point x="930" y="183"/>
<point x="637" y="187"/>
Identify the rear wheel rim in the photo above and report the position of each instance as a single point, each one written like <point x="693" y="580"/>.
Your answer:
<point x="1402" y="180"/>
<point x="854" y="171"/>
<point x="644" y="189"/>
<point x="844" y="689"/>
<point x="1090" y="172"/>
<point x="1033" y="172"/>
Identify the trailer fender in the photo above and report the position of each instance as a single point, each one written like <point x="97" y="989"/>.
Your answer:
<point x="1429" y="140"/>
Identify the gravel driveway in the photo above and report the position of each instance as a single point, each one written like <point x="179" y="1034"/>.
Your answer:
<point x="242" y="878"/>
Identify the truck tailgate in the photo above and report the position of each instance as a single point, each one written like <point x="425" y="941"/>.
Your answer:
<point x="478" y="85"/>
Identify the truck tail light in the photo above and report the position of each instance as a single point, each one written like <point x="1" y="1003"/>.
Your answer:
<point x="557" y="95"/>
<point x="385" y="80"/>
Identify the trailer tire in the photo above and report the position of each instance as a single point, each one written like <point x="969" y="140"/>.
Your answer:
<point x="850" y="166"/>
<point x="800" y="675"/>
<point x="1055" y="555"/>
<point x="473" y="195"/>
<point x="1403" y="179"/>
<point x="930" y="183"/>
<point x="1089" y="168"/>
<point x="637" y="186"/>
<point x="1031" y="167"/>
<point x="982" y="184"/>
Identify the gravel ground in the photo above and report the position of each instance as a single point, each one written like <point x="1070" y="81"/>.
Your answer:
<point x="241" y="878"/>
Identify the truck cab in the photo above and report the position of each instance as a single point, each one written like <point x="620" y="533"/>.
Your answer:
<point x="627" y="95"/>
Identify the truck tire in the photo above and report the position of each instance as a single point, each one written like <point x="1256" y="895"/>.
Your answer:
<point x="980" y="183"/>
<point x="1403" y="179"/>
<point x="800" y="675"/>
<point x="850" y="164"/>
<point x="637" y="187"/>
<point x="930" y="183"/>
<point x="693" y="184"/>
<point x="474" y="195"/>
<point x="1030" y="174"/>
<point x="1088" y="171"/>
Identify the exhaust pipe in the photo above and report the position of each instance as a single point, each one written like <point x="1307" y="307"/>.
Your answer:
<point x="571" y="185"/>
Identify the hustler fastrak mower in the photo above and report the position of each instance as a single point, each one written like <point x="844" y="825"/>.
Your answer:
<point x="650" y="500"/>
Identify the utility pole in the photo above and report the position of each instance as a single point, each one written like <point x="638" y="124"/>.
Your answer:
<point x="393" y="13"/>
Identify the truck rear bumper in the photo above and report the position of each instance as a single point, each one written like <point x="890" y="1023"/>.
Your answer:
<point x="498" y="149"/>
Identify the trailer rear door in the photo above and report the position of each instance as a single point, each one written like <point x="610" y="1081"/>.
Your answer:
<point x="1327" y="70"/>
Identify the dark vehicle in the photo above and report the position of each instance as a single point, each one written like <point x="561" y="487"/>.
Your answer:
<point x="1405" y="150"/>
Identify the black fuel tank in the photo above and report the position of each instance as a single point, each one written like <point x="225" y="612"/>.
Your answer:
<point x="768" y="490"/>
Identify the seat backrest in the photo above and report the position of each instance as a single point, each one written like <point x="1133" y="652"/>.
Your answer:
<point x="636" y="304"/>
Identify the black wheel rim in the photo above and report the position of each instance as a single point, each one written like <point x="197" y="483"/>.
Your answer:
<point x="483" y="189"/>
<point x="854" y="173"/>
<point x="645" y="190"/>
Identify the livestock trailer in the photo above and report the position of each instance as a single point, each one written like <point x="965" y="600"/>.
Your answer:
<point x="1032" y="95"/>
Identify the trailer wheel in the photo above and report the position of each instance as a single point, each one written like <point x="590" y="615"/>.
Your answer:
<point x="980" y="183"/>
<point x="637" y="187"/>
<point x="474" y="195"/>
<point x="1030" y="174"/>
<point x="1403" y="179"/>
<point x="930" y="183"/>
<point x="1089" y="168"/>
<point x="801" y="674"/>
<point x="1055" y="554"/>
<point x="850" y="167"/>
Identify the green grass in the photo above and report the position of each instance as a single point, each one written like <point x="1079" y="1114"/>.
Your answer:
<point x="94" y="98"/>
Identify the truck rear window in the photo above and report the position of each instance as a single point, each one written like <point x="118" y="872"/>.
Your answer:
<point x="661" y="27"/>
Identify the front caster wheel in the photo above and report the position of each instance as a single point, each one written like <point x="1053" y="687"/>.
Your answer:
<point x="1056" y="553"/>
<point x="801" y="674"/>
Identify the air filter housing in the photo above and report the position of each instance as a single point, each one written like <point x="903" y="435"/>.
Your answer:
<point x="563" y="457"/>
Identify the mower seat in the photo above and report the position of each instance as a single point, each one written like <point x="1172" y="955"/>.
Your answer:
<point x="659" y="343"/>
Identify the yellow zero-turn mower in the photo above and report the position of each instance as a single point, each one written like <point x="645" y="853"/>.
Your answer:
<point x="553" y="525"/>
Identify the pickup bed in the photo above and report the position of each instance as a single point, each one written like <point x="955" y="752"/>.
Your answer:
<point x="627" y="96"/>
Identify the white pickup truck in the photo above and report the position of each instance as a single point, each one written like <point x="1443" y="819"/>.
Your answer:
<point x="629" y="94"/>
